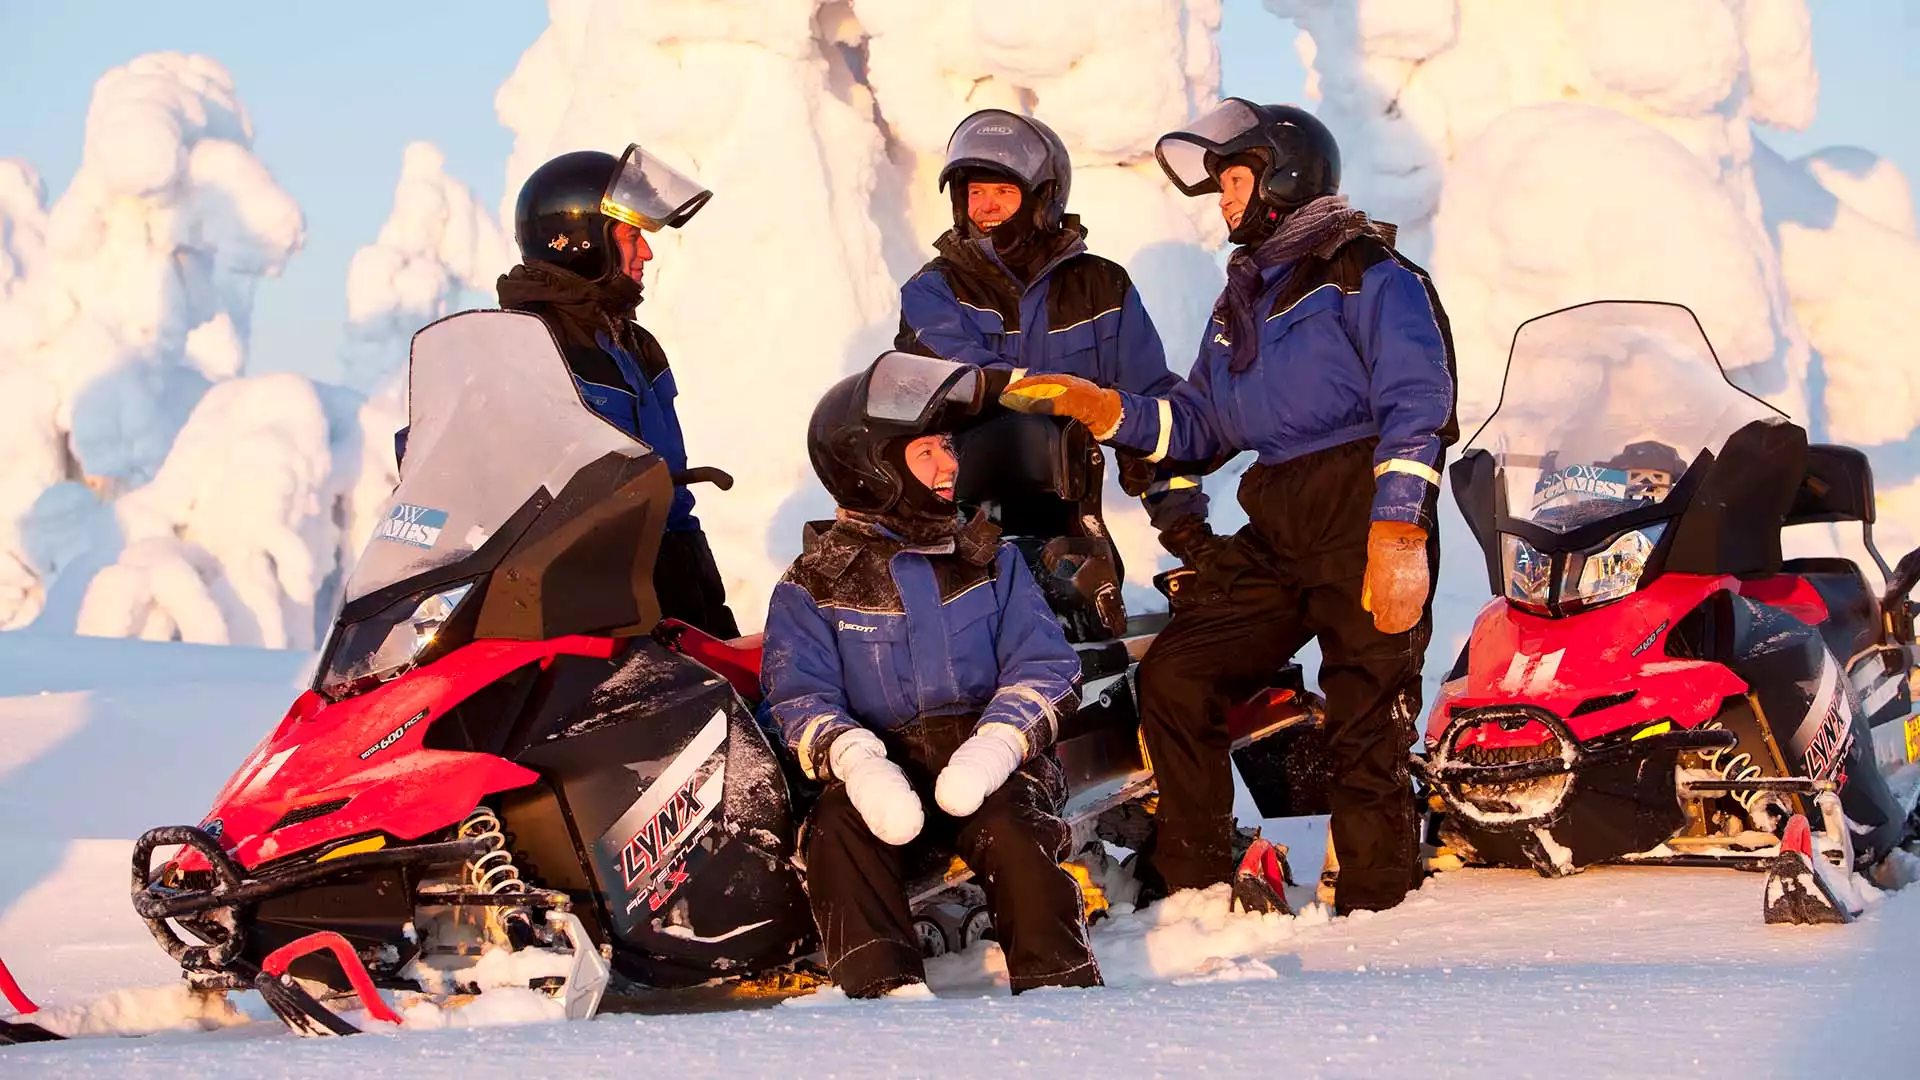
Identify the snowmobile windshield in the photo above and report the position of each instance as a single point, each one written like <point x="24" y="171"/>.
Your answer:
<point x="1183" y="154"/>
<point x="1605" y="405"/>
<point x="999" y="141"/>
<point x="494" y="418"/>
<point x="920" y="393"/>
<point x="650" y="194"/>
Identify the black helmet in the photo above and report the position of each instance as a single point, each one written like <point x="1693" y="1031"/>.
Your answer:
<point x="568" y="206"/>
<point x="1296" y="159"/>
<point x="1020" y="149"/>
<point x="901" y="395"/>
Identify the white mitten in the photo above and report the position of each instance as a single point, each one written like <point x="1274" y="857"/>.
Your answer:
<point x="978" y="768"/>
<point x="879" y="790"/>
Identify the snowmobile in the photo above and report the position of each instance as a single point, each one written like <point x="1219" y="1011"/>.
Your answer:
<point x="507" y="762"/>
<point x="1653" y="682"/>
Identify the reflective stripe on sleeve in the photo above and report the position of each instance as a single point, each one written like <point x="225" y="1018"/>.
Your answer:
<point x="1165" y="439"/>
<point x="1411" y="468"/>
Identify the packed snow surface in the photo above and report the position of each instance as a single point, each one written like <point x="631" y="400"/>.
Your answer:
<point x="1635" y="971"/>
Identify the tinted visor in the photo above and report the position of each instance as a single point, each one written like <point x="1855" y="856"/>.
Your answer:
<point x="650" y="194"/>
<point x="995" y="139"/>
<point x="920" y="393"/>
<point x="1183" y="154"/>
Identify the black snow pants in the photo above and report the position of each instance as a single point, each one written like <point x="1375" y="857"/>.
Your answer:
<point x="1014" y="842"/>
<point x="688" y="584"/>
<point x="1291" y="574"/>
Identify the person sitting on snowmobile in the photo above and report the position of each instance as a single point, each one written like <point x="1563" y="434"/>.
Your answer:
<point x="908" y="659"/>
<point x="581" y="222"/>
<point x="1329" y="355"/>
<point x="1015" y="291"/>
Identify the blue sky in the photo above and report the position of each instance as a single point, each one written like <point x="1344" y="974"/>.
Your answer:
<point x="337" y="90"/>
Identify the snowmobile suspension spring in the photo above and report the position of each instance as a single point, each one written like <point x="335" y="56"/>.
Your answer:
<point x="492" y="871"/>
<point x="1733" y="767"/>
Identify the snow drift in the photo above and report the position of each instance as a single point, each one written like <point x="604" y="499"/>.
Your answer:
<point x="122" y="304"/>
<point x="437" y="243"/>
<point x="152" y="489"/>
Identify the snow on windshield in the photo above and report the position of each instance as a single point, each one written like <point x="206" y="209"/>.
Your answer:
<point x="494" y="416"/>
<point x="1605" y="405"/>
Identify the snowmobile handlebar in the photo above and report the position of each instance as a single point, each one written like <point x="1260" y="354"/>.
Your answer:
<point x="704" y="474"/>
<point x="1906" y="574"/>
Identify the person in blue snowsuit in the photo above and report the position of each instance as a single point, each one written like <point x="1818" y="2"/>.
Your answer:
<point x="581" y="221"/>
<point x="1329" y="356"/>
<point x="1014" y="291"/>
<point x="914" y="667"/>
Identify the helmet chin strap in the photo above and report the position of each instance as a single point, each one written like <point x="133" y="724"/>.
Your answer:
<point x="1259" y="221"/>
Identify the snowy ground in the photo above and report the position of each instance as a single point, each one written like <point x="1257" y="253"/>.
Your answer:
<point x="1617" y="972"/>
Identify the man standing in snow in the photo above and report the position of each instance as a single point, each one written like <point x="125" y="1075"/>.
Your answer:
<point x="913" y="661"/>
<point x="1014" y="291"/>
<point x="1329" y="356"/>
<point x="582" y="221"/>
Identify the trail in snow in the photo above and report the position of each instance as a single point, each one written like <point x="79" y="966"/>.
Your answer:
<point x="1614" y="972"/>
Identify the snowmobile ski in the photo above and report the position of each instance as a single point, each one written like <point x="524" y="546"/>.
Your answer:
<point x="1260" y="883"/>
<point x="1799" y="888"/>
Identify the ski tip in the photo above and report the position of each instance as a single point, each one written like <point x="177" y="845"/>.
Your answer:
<point x="1798" y="837"/>
<point x="1798" y="894"/>
<point x="21" y="1032"/>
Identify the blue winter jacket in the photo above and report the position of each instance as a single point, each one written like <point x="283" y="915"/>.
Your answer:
<point x="867" y="630"/>
<point x="644" y="409"/>
<point x="1080" y="315"/>
<point x="1358" y="349"/>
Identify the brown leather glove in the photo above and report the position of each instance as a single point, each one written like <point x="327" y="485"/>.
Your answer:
<point x="1395" y="588"/>
<point x="1070" y="396"/>
<point x="1193" y="542"/>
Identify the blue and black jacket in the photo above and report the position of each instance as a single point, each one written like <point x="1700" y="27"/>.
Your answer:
<point x="634" y="389"/>
<point x="871" y="630"/>
<point x="1079" y="315"/>
<point x="1353" y="347"/>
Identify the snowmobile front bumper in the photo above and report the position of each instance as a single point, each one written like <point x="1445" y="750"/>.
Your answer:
<point x="218" y="915"/>
<point x="1534" y="791"/>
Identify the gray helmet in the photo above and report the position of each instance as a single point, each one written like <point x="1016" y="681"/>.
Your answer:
<point x="1020" y="148"/>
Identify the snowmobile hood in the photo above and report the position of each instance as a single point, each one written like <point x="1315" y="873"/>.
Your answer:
<point x="1604" y="672"/>
<point x="330" y="775"/>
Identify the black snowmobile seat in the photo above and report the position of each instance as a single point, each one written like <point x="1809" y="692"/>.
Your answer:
<point x="1838" y="486"/>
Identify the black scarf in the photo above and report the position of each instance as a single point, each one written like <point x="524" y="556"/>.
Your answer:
<point x="1024" y="259"/>
<point x="1320" y="229"/>
<point x="977" y="541"/>
<point x="576" y="307"/>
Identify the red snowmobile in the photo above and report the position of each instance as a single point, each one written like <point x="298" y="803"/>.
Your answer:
<point x="503" y="752"/>
<point x="1653" y="682"/>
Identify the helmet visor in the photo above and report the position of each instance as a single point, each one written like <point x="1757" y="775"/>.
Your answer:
<point x="1183" y="154"/>
<point x="994" y="139"/>
<point x="920" y="392"/>
<point x="650" y="194"/>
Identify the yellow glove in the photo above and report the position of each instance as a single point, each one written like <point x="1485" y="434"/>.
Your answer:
<point x="1069" y="396"/>
<point x="1395" y="588"/>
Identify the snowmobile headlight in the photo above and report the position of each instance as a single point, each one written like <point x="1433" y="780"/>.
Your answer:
<point x="1612" y="572"/>
<point x="384" y="647"/>
<point x="1529" y="572"/>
